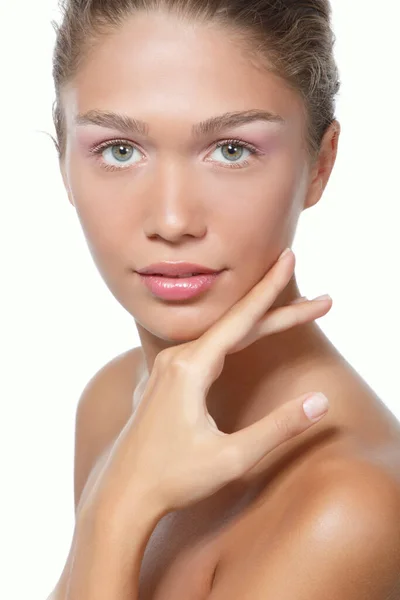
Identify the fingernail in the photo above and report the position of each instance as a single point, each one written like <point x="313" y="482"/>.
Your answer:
<point x="284" y="253"/>
<point x="324" y="297"/>
<point x="316" y="406"/>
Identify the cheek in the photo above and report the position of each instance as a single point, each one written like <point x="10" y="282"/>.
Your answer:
<point x="105" y="228"/>
<point x="258" y="210"/>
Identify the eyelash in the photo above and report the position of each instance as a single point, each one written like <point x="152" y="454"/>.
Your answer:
<point x="237" y="142"/>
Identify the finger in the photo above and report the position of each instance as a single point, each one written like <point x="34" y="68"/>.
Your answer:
<point x="297" y="313"/>
<point x="301" y="299"/>
<point x="300" y="311"/>
<point x="221" y="338"/>
<point x="245" y="448"/>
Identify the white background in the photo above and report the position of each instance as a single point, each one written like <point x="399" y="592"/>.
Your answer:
<point x="59" y="322"/>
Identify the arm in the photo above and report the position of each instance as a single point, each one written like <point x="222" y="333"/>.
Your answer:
<point x="107" y="555"/>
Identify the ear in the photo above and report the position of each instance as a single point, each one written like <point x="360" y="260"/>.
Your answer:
<point x="63" y="171"/>
<point x="322" y="168"/>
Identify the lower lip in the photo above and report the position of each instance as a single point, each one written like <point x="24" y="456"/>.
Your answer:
<point x="182" y="288"/>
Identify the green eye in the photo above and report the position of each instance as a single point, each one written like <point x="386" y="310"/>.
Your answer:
<point x="121" y="148"/>
<point x="233" y="151"/>
<point x="122" y="151"/>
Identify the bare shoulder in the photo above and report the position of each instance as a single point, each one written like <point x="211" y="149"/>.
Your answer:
<point x="105" y="405"/>
<point x="354" y="495"/>
<point x="338" y="536"/>
<point x="328" y="512"/>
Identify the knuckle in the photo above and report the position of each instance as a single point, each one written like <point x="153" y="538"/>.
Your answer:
<point x="232" y="460"/>
<point x="173" y="360"/>
<point x="163" y="358"/>
<point x="284" y="426"/>
<point x="182" y="365"/>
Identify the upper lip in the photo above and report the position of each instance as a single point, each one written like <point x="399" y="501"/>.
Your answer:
<point x="175" y="268"/>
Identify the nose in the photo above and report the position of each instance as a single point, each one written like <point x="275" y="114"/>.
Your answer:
<point x="175" y="209"/>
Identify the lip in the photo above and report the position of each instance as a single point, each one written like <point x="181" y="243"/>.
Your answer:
<point x="173" y="269"/>
<point x="177" y="288"/>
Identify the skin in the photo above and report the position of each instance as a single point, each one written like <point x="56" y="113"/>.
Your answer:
<point x="173" y="204"/>
<point x="176" y="206"/>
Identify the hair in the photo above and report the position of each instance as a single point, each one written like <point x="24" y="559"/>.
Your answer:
<point x="290" y="38"/>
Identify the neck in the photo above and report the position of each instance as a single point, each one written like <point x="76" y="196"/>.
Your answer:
<point x="266" y="375"/>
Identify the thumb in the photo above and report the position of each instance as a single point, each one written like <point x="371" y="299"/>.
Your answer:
<point x="249" y="445"/>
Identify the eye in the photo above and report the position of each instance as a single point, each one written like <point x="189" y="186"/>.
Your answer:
<point x="120" y="150"/>
<point x="234" y="150"/>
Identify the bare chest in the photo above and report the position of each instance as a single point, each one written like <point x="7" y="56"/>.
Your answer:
<point x="183" y="552"/>
<point x="184" y="549"/>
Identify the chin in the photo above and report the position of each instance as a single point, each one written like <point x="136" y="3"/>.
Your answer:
<point x="176" y="329"/>
<point x="178" y="335"/>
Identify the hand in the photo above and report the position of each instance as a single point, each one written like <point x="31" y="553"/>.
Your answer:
<point x="171" y="449"/>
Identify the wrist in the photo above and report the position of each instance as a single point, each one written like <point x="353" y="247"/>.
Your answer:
<point x="121" y="518"/>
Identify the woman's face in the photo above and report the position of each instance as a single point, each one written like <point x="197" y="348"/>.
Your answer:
<point x="173" y="195"/>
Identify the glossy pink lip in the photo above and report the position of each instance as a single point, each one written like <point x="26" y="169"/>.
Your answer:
<point x="178" y="288"/>
<point x="173" y="269"/>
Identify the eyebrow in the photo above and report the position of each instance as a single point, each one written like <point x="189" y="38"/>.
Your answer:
<point x="210" y="126"/>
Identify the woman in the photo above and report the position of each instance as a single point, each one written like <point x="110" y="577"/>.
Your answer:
<point x="197" y="132"/>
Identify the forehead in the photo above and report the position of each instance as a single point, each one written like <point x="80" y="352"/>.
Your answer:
<point x="156" y="64"/>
